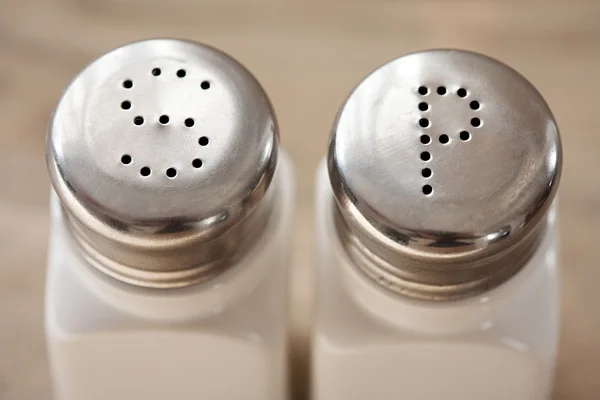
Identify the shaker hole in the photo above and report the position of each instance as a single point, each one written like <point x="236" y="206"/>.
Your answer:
<point x="474" y="105"/>
<point x="476" y="122"/>
<point x="171" y="172"/>
<point x="164" y="119"/>
<point x="464" y="135"/>
<point x="441" y="90"/>
<point x="427" y="190"/>
<point x="426" y="172"/>
<point x="423" y="90"/>
<point x="138" y="120"/>
<point x="189" y="122"/>
<point x="181" y="73"/>
<point x="425" y="156"/>
<point x="126" y="159"/>
<point x="205" y="85"/>
<point x="444" y="139"/>
<point x="126" y="105"/>
<point x="128" y="84"/>
<point x="197" y="163"/>
<point x="423" y="106"/>
<point x="203" y="141"/>
<point x="156" y="71"/>
<point x="423" y="122"/>
<point x="461" y="92"/>
<point x="145" y="171"/>
<point x="425" y="139"/>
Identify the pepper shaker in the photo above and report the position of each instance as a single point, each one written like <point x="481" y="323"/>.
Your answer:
<point x="436" y="235"/>
<point x="171" y="224"/>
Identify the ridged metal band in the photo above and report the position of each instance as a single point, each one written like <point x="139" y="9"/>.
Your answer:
<point x="189" y="263"/>
<point x="439" y="281"/>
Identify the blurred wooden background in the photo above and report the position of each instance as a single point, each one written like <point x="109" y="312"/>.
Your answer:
<point x="308" y="55"/>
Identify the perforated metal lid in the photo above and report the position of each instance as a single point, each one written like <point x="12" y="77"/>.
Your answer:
<point x="443" y="164"/>
<point x="162" y="152"/>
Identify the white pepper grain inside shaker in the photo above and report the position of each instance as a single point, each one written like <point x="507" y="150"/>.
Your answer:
<point x="171" y="226"/>
<point x="436" y="236"/>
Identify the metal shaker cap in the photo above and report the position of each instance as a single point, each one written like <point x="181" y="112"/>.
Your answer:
<point x="443" y="164"/>
<point x="162" y="153"/>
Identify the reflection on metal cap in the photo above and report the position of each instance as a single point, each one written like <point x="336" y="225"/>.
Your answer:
<point x="443" y="164"/>
<point x="162" y="153"/>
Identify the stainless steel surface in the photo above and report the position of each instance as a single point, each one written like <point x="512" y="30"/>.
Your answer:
<point x="162" y="153"/>
<point x="444" y="164"/>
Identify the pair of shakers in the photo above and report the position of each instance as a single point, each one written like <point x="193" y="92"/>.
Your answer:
<point x="172" y="210"/>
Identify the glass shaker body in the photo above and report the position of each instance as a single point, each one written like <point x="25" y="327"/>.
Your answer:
<point x="436" y="236"/>
<point x="171" y="230"/>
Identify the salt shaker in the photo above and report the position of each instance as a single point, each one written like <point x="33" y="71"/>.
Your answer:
<point x="171" y="225"/>
<point x="436" y="235"/>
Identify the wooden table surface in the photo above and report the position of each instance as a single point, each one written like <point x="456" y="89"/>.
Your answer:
<point x="308" y="56"/>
